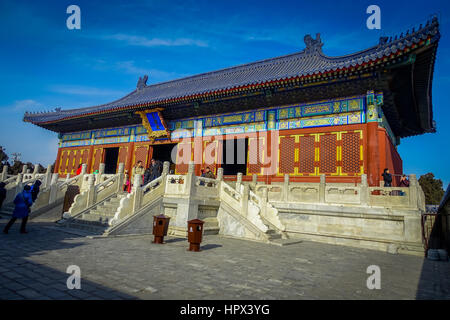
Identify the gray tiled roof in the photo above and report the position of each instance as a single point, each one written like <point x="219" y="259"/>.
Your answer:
<point x="307" y="62"/>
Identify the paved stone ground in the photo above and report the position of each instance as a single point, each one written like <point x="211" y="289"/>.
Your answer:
<point x="33" y="266"/>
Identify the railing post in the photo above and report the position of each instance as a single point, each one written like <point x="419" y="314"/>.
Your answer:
<point x="220" y="174"/>
<point x="219" y="179"/>
<point x="364" y="190"/>
<point x="35" y="170"/>
<point x="4" y="173"/>
<point x="53" y="188"/>
<point x="190" y="179"/>
<point x="48" y="176"/>
<point x="166" y="167"/>
<point x="322" y="188"/>
<point x="254" y="181"/>
<point x="101" y="171"/>
<point x="244" y="199"/>
<point x="55" y="178"/>
<point x="83" y="168"/>
<point x="137" y="190"/>
<point x="121" y="177"/>
<point x="24" y="169"/>
<point x="19" y="184"/>
<point x="67" y="176"/>
<point x="91" y="191"/>
<point x="238" y="182"/>
<point x="413" y="192"/>
<point x="264" y="200"/>
<point x="286" y="188"/>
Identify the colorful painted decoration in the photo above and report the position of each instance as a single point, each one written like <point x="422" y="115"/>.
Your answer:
<point x="153" y="121"/>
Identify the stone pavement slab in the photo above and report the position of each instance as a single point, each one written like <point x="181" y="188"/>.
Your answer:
<point x="33" y="266"/>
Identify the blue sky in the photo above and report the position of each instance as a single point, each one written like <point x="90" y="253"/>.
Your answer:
<point x="44" y="65"/>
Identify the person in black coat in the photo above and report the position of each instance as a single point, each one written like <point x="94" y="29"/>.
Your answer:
<point x="35" y="190"/>
<point x="387" y="177"/>
<point x="155" y="169"/>
<point x="147" y="176"/>
<point x="2" y="193"/>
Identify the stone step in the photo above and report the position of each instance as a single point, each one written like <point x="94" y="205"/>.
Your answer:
<point x="210" y="231"/>
<point x="7" y="210"/>
<point x="93" y="228"/>
<point x="102" y="212"/>
<point x="211" y="226"/>
<point x="96" y="217"/>
<point x="113" y="201"/>
<point x="273" y="234"/>
<point x="87" y="222"/>
<point x="412" y="249"/>
<point x="8" y="207"/>
<point x="211" y="222"/>
<point x="107" y="210"/>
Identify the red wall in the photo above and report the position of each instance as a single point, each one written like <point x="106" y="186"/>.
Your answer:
<point x="304" y="154"/>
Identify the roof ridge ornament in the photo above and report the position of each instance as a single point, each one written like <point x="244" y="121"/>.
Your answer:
<point x="142" y="82"/>
<point x="313" y="45"/>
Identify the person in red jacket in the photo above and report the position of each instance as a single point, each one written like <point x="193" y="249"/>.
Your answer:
<point x="404" y="182"/>
<point x="79" y="169"/>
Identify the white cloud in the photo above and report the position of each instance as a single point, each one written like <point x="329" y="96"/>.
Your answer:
<point x="155" y="42"/>
<point x="155" y="75"/>
<point x="26" y="104"/>
<point x="84" y="90"/>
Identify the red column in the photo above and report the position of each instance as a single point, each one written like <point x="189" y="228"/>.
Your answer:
<point x="89" y="161"/>
<point x="58" y="160"/>
<point x="129" y="161"/>
<point x="372" y="155"/>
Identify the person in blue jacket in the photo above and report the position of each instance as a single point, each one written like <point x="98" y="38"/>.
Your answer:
<point x="23" y="202"/>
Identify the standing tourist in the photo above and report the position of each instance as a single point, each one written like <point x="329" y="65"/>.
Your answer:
<point x="137" y="169"/>
<point x="127" y="184"/>
<point x="79" y="169"/>
<point x="23" y="202"/>
<point x="387" y="177"/>
<point x="209" y="175"/>
<point x="404" y="182"/>
<point x="155" y="169"/>
<point x="2" y="193"/>
<point x="35" y="190"/>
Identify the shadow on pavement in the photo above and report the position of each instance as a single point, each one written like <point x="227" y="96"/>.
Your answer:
<point x="210" y="246"/>
<point x="23" y="278"/>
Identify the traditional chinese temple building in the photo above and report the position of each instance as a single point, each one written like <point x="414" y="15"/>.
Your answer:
<point x="302" y="114"/>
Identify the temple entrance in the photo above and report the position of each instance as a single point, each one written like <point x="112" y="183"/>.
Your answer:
<point x="111" y="157"/>
<point x="163" y="152"/>
<point x="234" y="156"/>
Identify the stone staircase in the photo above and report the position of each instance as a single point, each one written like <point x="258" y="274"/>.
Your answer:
<point x="211" y="226"/>
<point x="96" y="219"/>
<point x="7" y="210"/>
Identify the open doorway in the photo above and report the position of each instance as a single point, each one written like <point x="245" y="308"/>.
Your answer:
<point x="234" y="156"/>
<point x="111" y="157"/>
<point x="163" y="152"/>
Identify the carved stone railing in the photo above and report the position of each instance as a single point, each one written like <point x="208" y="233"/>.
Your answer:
<point x="15" y="184"/>
<point x="141" y="196"/>
<point x="92" y="193"/>
<point x="176" y="185"/>
<point x="344" y="194"/>
<point x="206" y="187"/>
<point x="236" y="202"/>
